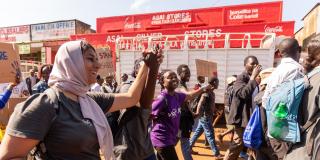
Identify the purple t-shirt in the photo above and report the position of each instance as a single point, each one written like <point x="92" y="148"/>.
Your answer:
<point x="166" y="118"/>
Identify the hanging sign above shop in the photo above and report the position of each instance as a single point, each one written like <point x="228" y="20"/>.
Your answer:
<point x="53" y="31"/>
<point x="15" y="34"/>
<point x="24" y="48"/>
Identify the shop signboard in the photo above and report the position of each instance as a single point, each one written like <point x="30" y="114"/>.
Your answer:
<point x="280" y="28"/>
<point x="43" y="54"/>
<point x="9" y="63"/>
<point x="105" y="59"/>
<point x="24" y="48"/>
<point x="253" y="13"/>
<point x="213" y="16"/>
<point x="53" y="30"/>
<point x="15" y="34"/>
<point x="171" y="18"/>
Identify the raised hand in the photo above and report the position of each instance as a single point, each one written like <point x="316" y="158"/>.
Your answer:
<point x="257" y="69"/>
<point x="17" y="72"/>
<point x="154" y="58"/>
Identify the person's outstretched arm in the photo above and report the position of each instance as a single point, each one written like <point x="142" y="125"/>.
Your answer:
<point x="194" y="93"/>
<point x="4" y="98"/>
<point x="132" y="97"/>
<point x="148" y="92"/>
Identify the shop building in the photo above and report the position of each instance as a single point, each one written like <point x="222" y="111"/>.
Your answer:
<point x="38" y="43"/>
<point x="311" y="28"/>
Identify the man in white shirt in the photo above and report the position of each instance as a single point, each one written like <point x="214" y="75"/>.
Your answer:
<point x="110" y="85"/>
<point x="31" y="80"/>
<point x="288" y="69"/>
<point x="97" y="86"/>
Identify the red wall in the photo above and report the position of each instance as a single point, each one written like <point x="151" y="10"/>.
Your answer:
<point x="214" y="16"/>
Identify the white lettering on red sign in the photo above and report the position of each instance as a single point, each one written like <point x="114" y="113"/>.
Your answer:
<point x="244" y="14"/>
<point x="112" y="38"/>
<point x="132" y="25"/>
<point x="171" y="18"/>
<point x="204" y="32"/>
<point x="149" y="34"/>
<point x="274" y="29"/>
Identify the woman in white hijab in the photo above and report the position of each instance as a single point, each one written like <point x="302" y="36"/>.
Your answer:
<point x="72" y="126"/>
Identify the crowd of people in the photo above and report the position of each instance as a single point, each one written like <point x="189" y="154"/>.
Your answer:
<point x="73" y="113"/>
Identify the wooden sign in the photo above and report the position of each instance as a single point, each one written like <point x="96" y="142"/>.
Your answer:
<point x="206" y="68"/>
<point x="6" y="112"/>
<point x="105" y="59"/>
<point x="9" y="63"/>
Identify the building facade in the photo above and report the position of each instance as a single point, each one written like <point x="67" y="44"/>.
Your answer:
<point x="311" y="28"/>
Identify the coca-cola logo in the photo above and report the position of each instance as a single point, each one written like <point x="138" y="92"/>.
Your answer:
<point x="275" y="29"/>
<point x="132" y="25"/>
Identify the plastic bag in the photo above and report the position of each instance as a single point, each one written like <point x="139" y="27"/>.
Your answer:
<point x="252" y="136"/>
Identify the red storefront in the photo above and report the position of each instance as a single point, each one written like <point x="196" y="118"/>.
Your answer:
<point x="214" y="16"/>
<point x="248" y="18"/>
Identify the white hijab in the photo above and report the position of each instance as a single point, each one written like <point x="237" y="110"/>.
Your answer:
<point x="69" y="74"/>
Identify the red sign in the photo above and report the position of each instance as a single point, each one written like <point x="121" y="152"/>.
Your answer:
<point x="108" y="39"/>
<point x="254" y="13"/>
<point x="214" y="16"/>
<point x="15" y="34"/>
<point x="171" y="18"/>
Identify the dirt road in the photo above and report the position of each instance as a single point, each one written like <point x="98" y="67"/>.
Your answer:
<point x="205" y="153"/>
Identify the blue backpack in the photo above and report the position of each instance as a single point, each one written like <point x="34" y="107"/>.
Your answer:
<point x="282" y="109"/>
<point x="252" y="136"/>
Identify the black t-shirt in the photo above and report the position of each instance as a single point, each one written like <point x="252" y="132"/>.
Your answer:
<point x="64" y="131"/>
<point x="186" y="117"/>
<point x="133" y="140"/>
<point x="206" y="108"/>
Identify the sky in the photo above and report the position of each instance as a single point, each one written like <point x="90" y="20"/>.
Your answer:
<point x="22" y="12"/>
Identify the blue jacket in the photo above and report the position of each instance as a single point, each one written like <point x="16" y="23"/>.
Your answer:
<point x="4" y="98"/>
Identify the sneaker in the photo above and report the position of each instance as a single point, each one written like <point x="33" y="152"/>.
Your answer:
<point x="220" y="138"/>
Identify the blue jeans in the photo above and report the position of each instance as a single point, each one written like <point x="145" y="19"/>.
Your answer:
<point x="206" y="126"/>
<point x="185" y="148"/>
